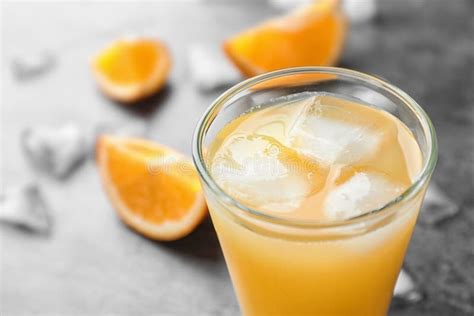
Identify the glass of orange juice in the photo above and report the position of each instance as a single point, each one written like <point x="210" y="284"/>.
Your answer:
<point x="314" y="178"/>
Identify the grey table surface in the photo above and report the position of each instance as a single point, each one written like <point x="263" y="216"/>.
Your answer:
<point x="91" y="264"/>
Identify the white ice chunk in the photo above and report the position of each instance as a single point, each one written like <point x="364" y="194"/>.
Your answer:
<point x="56" y="150"/>
<point x="29" y="66"/>
<point x="24" y="206"/>
<point x="360" y="11"/>
<point x="285" y="5"/>
<point x="209" y="68"/>
<point x="437" y="206"/>
<point x="249" y="169"/>
<point x="363" y="192"/>
<point x="406" y="291"/>
<point x="330" y="140"/>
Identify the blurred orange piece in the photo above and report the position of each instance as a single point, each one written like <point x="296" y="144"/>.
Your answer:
<point x="309" y="36"/>
<point x="131" y="69"/>
<point x="154" y="189"/>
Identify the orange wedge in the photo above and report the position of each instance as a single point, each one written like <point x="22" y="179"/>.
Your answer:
<point x="310" y="36"/>
<point x="154" y="189"/>
<point x="132" y="69"/>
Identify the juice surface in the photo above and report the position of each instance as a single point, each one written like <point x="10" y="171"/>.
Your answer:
<point x="317" y="157"/>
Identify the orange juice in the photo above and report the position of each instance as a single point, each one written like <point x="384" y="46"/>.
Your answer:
<point x="323" y="159"/>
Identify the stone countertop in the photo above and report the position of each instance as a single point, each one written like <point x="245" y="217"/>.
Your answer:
<point x="91" y="264"/>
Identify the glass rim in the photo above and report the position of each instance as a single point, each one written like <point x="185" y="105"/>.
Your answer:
<point x="211" y="112"/>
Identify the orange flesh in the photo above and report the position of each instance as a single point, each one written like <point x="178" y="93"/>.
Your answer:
<point x="155" y="192"/>
<point x="313" y="35"/>
<point x="129" y="62"/>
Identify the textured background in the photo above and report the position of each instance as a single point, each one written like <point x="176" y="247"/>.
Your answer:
<point x="91" y="264"/>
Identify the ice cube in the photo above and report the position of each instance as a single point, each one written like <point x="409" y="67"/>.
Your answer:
<point x="328" y="139"/>
<point x="24" y="206"/>
<point x="363" y="192"/>
<point x="250" y="169"/>
<point x="32" y="65"/>
<point x="406" y="291"/>
<point x="360" y="11"/>
<point x="285" y="5"/>
<point x="56" y="150"/>
<point x="209" y="68"/>
<point x="437" y="206"/>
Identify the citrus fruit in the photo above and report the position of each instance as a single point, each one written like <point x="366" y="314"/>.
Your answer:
<point x="154" y="189"/>
<point x="132" y="69"/>
<point x="312" y="35"/>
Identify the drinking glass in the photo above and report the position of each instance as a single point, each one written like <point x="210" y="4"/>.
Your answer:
<point x="281" y="266"/>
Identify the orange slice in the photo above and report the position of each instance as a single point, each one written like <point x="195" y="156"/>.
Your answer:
<point x="132" y="69"/>
<point x="310" y="36"/>
<point x="154" y="189"/>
